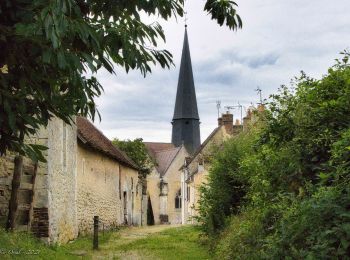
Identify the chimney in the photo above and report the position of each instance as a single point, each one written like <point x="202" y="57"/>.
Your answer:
<point x="227" y="121"/>
<point x="261" y="108"/>
<point x="220" y="121"/>
<point x="247" y="119"/>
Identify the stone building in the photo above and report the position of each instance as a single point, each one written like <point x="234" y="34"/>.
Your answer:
<point x="47" y="197"/>
<point x="195" y="169"/>
<point x="84" y="176"/>
<point x="164" y="182"/>
<point x="107" y="181"/>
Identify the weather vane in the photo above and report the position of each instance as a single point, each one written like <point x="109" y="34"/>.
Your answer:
<point x="186" y="19"/>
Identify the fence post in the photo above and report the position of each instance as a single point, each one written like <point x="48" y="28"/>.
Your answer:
<point x="95" y="242"/>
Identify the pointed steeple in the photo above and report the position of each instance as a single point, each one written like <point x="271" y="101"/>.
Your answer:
<point x="186" y="119"/>
<point x="186" y="102"/>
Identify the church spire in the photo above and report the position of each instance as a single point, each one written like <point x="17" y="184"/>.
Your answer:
<point x="186" y="119"/>
<point x="186" y="102"/>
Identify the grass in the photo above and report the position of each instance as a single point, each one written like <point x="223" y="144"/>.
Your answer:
<point x="21" y="245"/>
<point x="172" y="243"/>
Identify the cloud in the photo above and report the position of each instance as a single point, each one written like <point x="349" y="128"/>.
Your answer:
<point x="279" y="38"/>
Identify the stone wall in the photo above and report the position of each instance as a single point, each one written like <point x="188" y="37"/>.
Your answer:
<point x="173" y="178"/>
<point x="132" y="189"/>
<point x="73" y="186"/>
<point x="6" y="171"/>
<point x="61" y="182"/>
<point x="153" y="192"/>
<point x="47" y="192"/>
<point x="103" y="185"/>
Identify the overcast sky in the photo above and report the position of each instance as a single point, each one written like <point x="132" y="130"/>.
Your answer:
<point x="279" y="38"/>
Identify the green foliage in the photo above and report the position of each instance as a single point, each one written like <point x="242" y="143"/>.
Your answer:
<point x="48" y="49"/>
<point x="296" y="173"/>
<point x="223" y="194"/>
<point x="314" y="228"/>
<point x="137" y="151"/>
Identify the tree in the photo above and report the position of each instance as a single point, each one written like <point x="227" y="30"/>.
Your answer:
<point x="137" y="151"/>
<point x="48" y="48"/>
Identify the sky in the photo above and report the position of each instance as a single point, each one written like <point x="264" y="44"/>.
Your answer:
<point x="279" y="38"/>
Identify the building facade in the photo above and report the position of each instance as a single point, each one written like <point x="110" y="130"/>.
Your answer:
<point x="83" y="177"/>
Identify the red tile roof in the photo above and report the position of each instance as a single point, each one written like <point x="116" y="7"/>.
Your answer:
<point x="90" y="136"/>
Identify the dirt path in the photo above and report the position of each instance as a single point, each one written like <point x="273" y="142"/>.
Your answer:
<point x="110" y="249"/>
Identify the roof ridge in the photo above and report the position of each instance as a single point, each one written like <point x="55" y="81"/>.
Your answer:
<point x="169" y="149"/>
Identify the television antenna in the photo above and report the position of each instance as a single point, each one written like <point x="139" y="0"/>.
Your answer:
<point x="258" y="90"/>
<point x="218" y="106"/>
<point x="239" y="106"/>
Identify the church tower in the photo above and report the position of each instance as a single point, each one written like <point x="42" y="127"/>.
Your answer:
<point x="186" y="119"/>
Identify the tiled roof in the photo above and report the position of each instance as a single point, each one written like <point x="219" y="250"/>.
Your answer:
<point x="163" y="154"/>
<point x="165" y="158"/>
<point x="90" y="136"/>
<point x="153" y="148"/>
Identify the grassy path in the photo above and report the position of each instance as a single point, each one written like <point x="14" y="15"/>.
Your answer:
<point x="156" y="242"/>
<point x="153" y="242"/>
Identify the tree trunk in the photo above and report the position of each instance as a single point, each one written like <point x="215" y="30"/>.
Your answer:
<point x="16" y="182"/>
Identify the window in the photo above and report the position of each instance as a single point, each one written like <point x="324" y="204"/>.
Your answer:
<point x="188" y="193"/>
<point x="178" y="200"/>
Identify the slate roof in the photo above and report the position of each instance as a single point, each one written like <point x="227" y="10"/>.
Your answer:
<point x="163" y="153"/>
<point x="93" y="138"/>
<point x="186" y="102"/>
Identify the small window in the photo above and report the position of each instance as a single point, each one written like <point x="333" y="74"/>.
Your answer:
<point x="188" y="193"/>
<point x="187" y="122"/>
<point x="178" y="200"/>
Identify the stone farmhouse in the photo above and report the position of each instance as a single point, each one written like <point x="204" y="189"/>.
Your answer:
<point x="84" y="176"/>
<point x="195" y="169"/>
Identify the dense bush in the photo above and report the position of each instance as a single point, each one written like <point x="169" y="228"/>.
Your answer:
<point x="226" y="187"/>
<point x="294" y="201"/>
